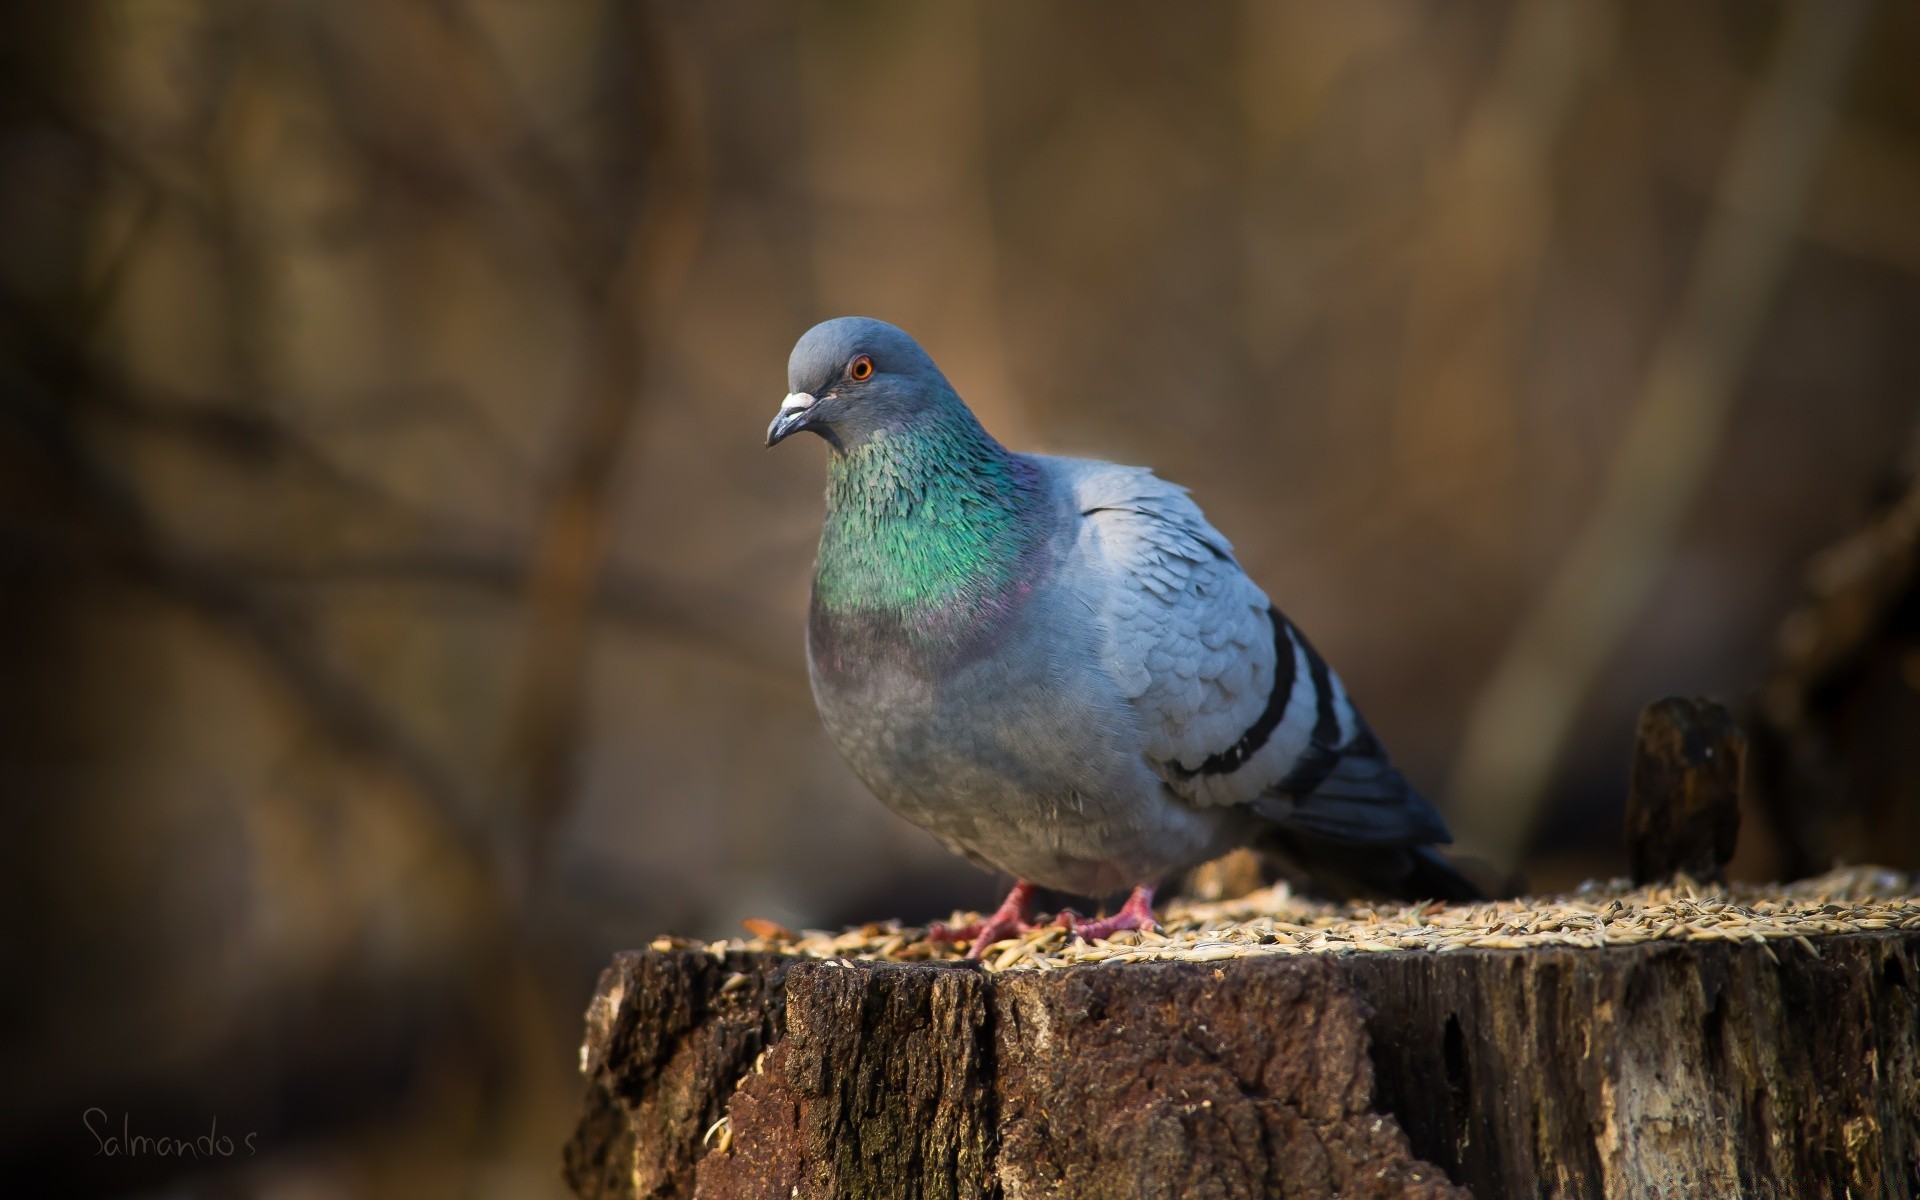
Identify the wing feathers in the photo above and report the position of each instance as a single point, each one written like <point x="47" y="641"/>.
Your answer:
<point x="1235" y="705"/>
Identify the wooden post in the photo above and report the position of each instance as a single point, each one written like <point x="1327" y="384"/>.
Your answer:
<point x="1683" y="809"/>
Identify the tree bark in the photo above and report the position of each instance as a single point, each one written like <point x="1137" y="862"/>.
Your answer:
<point x="1697" y="1068"/>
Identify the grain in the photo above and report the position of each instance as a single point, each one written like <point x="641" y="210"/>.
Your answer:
<point x="1277" y="922"/>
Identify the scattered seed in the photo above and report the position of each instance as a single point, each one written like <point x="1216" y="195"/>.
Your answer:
<point x="771" y="931"/>
<point x="1276" y="922"/>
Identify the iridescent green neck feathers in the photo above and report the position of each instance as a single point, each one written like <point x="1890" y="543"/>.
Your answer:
<point x="934" y="523"/>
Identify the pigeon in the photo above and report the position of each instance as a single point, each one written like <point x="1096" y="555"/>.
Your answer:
<point x="1057" y="667"/>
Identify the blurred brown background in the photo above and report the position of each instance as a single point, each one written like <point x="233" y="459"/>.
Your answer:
<point x="401" y="613"/>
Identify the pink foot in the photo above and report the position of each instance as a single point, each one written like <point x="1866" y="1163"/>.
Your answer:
<point x="1136" y="913"/>
<point x="1014" y="916"/>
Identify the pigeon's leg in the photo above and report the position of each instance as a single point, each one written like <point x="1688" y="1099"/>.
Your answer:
<point x="1136" y="913"/>
<point x="1013" y="916"/>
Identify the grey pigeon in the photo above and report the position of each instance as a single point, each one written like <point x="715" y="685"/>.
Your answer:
<point x="1056" y="666"/>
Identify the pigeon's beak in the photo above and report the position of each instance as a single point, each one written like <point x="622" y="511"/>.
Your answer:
<point x="791" y="418"/>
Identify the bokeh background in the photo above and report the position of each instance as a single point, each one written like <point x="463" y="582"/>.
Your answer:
<point x="401" y="613"/>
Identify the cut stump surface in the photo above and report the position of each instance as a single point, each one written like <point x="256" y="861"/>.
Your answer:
<point x="1775" y="1064"/>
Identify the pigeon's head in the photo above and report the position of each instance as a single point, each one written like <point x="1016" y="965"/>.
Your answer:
<point x="852" y="375"/>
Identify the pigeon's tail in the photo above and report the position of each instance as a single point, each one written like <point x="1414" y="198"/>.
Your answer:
<point x="1394" y="872"/>
<point x="1434" y="876"/>
<point x="1362" y="830"/>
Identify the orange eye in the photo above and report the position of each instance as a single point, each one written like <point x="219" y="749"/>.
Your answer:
<point x="860" y="368"/>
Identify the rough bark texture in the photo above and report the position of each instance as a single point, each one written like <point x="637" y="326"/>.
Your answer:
<point x="1167" y="1080"/>
<point x="667" y="1034"/>
<point x="1700" y="1068"/>
<point x="882" y="1086"/>
<point x="1705" y="1068"/>
<point x="1683" y="810"/>
<point x="1245" y="1079"/>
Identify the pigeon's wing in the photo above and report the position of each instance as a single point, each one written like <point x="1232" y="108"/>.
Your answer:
<point x="1235" y="706"/>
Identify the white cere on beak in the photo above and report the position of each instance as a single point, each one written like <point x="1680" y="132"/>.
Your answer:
<point x="796" y="401"/>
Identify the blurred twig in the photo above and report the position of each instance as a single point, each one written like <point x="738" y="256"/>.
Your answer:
<point x="1523" y="717"/>
<point x="253" y="436"/>
<point x="642" y="602"/>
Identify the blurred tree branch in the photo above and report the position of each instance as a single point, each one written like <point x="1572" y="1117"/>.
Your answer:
<point x="78" y="419"/>
<point x="450" y="551"/>
<point x="1457" y="441"/>
<point x="620" y="274"/>
<point x="639" y="600"/>
<point x="98" y="523"/>
<point x="624" y="289"/>
<point x="1834" y="772"/>
<point x="1523" y="716"/>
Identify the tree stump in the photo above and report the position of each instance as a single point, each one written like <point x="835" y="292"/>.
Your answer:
<point x="1712" y="1064"/>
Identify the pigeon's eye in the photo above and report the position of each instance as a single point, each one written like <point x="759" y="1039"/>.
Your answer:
<point x="860" y="368"/>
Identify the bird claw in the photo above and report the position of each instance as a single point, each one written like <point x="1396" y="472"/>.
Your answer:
<point x="940" y="931"/>
<point x="1136" y="913"/>
<point x="982" y="934"/>
<point x="1011" y="920"/>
